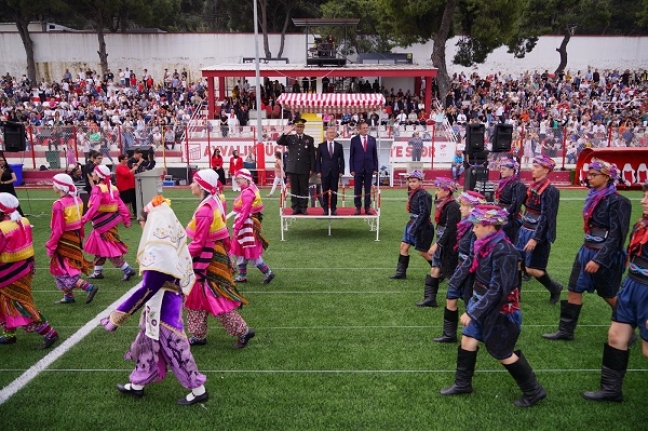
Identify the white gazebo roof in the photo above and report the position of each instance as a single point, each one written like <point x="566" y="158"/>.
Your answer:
<point x="332" y="103"/>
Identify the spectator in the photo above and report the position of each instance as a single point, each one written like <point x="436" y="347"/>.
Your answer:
<point x="125" y="183"/>
<point x="169" y="137"/>
<point x="104" y="149"/>
<point x="235" y="165"/>
<point x="75" y="172"/>
<point x="417" y="147"/>
<point x="278" y="174"/>
<point x="8" y="180"/>
<point x="457" y="166"/>
<point x="571" y="153"/>
<point x="217" y="165"/>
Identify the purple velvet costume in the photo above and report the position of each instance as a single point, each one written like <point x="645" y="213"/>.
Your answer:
<point x="152" y="357"/>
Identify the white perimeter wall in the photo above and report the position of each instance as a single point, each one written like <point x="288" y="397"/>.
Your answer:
<point x="54" y="52"/>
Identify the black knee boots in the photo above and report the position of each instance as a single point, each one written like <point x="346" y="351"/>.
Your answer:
<point x="450" y="324"/>
<point x="430" y="292"/>
<point x="532" y="390"/>
<point x="552" y="286"/>
<point x="401" y="268"/>
<point x="615" y="363"/>
<point x="465" y="370"/>
<point x="568" y="320"/>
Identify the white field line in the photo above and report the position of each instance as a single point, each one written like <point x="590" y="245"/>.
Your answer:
<point x="368" y="327"/>
<point x="436" y="371"/>
<point x="355" y="268"/>
<point x="41" y="366"/>
<point x="317" y="292"/>
<point x="397" y="199"/>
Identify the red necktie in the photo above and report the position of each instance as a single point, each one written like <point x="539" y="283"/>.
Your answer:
<point x="364" y="145"/>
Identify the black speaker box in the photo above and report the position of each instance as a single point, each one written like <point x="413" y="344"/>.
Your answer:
<point x="502" y="138"/>
<point x="475" y="138"/>
<point x="474" y="174"/>
<point x="14" y="137"/>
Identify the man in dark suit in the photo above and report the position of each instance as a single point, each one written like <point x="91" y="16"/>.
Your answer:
<point x="329" y="163"/>
<point x="363" y="163"/>
<point x="300" y="164"/>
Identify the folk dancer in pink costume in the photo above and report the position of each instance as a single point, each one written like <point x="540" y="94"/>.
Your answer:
<point x="67" y="261"/>
<point x="106" y="210"/>
<point x="17" y="308"/>
<point x="248" y="242"/>
<point x="214" y="291"/>
<point x="167" y="276"/>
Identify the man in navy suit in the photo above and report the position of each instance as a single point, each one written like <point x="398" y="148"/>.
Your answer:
<point x="363" y="163"/>
<point x="329" y="162"/>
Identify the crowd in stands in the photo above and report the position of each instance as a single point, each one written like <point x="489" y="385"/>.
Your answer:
<point x="550" y="114"/>
<point x="111" y="110"/>
<point x="591" y="109"/>
<point x="571" y="111"/>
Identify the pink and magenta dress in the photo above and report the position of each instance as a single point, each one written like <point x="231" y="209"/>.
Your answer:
<point x="64" y="246"/>
<point x="106" y="210"/>
<point x="214" y="290"/>
<point x="17" y="306"/>
<point x="247" y="240"/>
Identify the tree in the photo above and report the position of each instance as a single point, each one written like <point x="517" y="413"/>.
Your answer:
<point x="365" y="37"/>
<point x="564" y="17"/>
<point x="273" y="17"/>
<point x="98" y="13"/>
<point x="278" y="18"/>
<point x="642" y="15"/>
<point x="22" y="13"/>
<point x="121" y="15"/>
<point x="138" y="14"/>
<point x="483" y="25"/>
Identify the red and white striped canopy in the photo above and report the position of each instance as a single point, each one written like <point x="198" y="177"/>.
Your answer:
<point x="332" y="103"/>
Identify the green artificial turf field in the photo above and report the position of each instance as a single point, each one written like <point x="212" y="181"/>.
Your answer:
<point x="339" y="345"/>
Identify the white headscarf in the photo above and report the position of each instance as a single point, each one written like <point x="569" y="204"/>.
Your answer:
<point x="207" y="180"/>
<point x="9" y="205"/>
<point x="245" y="173"/>
<point x="104" y="174"/>
<point x="65" y="183"/>
<point x="163" y="246"/>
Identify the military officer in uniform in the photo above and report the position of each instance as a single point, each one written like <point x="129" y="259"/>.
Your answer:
<point x="300" y="164"/>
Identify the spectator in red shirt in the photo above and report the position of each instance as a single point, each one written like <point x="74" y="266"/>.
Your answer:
<point x="217" y="165"/>
<point x="236" y="164"/>
<point x="126" y="182"/>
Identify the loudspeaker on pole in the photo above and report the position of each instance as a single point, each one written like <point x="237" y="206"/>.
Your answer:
<point x="475" y="138"/>
<point x="14" y="136"/>
<point x="503" y="138"/>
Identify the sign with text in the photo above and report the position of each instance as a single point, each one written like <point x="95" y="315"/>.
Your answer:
<point x="398" y="151"/>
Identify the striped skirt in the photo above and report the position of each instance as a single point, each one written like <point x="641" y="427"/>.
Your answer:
<point x="17" y="307"/>
<point x="68" y="259"/>
<point x="215" y="290"/>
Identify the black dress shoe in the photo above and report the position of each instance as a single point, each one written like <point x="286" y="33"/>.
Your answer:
<point x="48" y="341"/>
<point x="244" y="339"/>
<point x="296" y="212"/>
<point x="197" y="399"/>
<point x="325" y="211"/>
<point x="91" y="294"/>
<point x="357" y="211"/>
<point x="368" y="211"/>
<point x="334" y="213"/>
<point x="304" y="211"/>
<point x="137" y="393"/>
